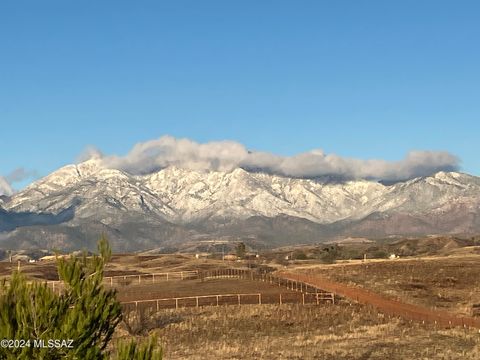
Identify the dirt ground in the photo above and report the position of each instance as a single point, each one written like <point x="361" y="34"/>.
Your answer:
<point x="170" y="289"/>
<point x="443" y="283"/>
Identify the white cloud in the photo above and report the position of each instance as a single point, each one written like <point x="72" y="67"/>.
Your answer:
<point x="167" y="151"/>
<point x="90" y="152"/>
<point x="20" y="174"/>
<point x="5" y="188"/>
<point x="16" y="175"/>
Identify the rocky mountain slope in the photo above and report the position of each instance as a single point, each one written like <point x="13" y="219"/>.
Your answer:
<point x="70" y="207"/>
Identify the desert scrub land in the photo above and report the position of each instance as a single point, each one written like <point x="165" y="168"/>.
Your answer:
<point x="445" y="283"/>
<point x="299" y="332"/>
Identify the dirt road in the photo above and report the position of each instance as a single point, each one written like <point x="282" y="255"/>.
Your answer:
<point x="384" y="304"/>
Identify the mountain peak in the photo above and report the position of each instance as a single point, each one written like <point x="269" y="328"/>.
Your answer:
<point x="90" y="166"/>
<point x="180" y="202"/>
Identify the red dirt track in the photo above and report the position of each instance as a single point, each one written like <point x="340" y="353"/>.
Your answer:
<point x="383" y="304"/>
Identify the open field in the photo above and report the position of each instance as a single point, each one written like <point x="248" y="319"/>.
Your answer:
<point x="444" y="283"/>
<point x="299" y="332"/>
<point x="449" y="283"/>
<point x="185" y="288"/>
<point x="122" y="265"/>
<point x="288" y="331"/>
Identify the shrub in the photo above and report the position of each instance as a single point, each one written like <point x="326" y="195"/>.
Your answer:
<point x="86" y="312"/>
<point x="299" y="255"/>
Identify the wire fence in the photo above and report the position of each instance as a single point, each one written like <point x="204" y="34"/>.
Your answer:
<point x="227" y="299"/>
<point x="288" y="283"/>
<point x="135" y="279"/>
<point x="385" y="305"/>
<point x="311" y="289"/>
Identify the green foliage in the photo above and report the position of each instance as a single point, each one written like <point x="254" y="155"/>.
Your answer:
<point x="241" y="250"/>
<point x="133" y="351"/>
<point x="85" y="311"/>
<point x="299" y="255"/>
<point x="379" y="254"/>
<point x="328" y="257"/>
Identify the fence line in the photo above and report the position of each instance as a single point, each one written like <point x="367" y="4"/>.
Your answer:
<point x="388" y="306"/>
<point x="307" y="285"/>
<point x="145" y="278"/>
<point x="228" y="299"/>
<point x="290" y="284"/>
<point x="152" y="278"/>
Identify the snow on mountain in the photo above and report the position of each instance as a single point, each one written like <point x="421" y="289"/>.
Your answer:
<point x="57" y="182"/>
<point x="194" y="195"/>
<point x="182" y="198"/>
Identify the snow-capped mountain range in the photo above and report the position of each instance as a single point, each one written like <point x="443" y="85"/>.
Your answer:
<point x="72" y="206"/>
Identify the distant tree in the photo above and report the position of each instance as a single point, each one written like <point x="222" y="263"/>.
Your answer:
<point x="85" y="312"/>
<point x="328" y="258"/>
<point x="299" y="255"/>
<point x="330" y="254"/>
<point x="379" y="254"/>
<point x="241" y="250"/>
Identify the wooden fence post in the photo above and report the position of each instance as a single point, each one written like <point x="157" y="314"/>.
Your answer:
<point x="217" y="300"/>
<point x="176" y="303"/>
<point x="158" y="308"/>
<point x="196" y="298"/>
<point x="303" y="298"/>
<point x="260" y="299"/>
<point x="238" y="299"/>
<point x="280" y="299"/>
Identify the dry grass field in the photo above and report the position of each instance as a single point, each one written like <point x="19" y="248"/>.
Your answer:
<point x="446" y="283"/>
<point x="299" y="332"/>
<point x="289" y="331"/>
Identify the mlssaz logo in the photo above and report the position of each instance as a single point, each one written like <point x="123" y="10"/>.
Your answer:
<point x="53" y="343"/>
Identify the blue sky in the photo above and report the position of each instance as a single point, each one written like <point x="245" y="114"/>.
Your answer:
<point x="362" y="79"/>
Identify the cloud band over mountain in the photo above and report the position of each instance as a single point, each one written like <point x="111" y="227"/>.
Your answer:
<point x="153" y="155"/>
<point x="16" y="175"/>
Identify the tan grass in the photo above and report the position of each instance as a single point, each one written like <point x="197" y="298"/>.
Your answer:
<point x="306" y="332"/>
<point x="444" y="283"/>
